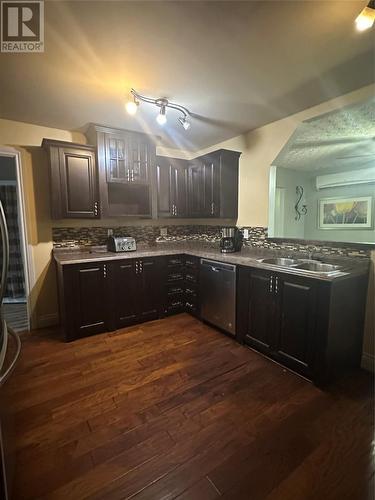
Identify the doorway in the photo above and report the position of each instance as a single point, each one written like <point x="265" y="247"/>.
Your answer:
<point x="15" y="304"/>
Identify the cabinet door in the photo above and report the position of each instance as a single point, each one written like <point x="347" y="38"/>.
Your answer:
<point x="140" y="158"/>
<point x="86" y="291"/>
<point x="78" y="183"/>
<point x="126" y="292"/>
<point x="178" y="190"/>
<point x="296" y="302"/>
<point x="117" y="158"/>
<point x="210" y="186"/>
<point x="261" y="311"/>
<point x="151" y="288"/>
<point x="195" y="190"/>
<point x="165" y="207"/>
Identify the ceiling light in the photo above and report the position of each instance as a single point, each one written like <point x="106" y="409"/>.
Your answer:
<point x="163" y="104"/>
<point x="131" y="107"/>
<point x="366" y="18"/>
<point x="184" y="123"/>
<point x="161" y="118"/>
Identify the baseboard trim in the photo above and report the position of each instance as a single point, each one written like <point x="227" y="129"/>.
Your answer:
<point x="47" y="320"/>
<point x="368" y="362"/>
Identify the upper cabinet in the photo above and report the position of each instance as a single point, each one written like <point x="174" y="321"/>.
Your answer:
<point x="171" y="176"/>
<point x="122" y="176"/>
<point x="204" y="187"/>
<point x="73" y="180"/>
<point x="219" y="191"/>
<point x="126" y="171"/>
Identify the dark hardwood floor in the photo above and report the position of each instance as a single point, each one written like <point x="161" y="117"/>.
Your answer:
<point x="174" y="409"/>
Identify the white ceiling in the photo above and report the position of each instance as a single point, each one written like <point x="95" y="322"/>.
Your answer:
<point x="235" y="65"/>
<point x="339" y="140"/>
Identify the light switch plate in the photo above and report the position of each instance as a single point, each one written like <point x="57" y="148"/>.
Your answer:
<point x="109" y="232"/>
<point x="163" y="231"/>
<point x="246" y="234"/>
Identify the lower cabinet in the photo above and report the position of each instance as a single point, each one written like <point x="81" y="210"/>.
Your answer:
<point x="84" y="304"/>
<point x="314" y="327"/>
<point x="136" y="288"/>
<point x="96" y="297"/>
<point x="278" y="316"/>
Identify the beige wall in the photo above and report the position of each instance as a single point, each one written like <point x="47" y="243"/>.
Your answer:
<point x="258" y="147"/>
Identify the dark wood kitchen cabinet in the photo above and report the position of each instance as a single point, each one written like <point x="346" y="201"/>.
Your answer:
<point x="195" y="189"/>
<point x="171" y="187"/>
<point x="73" y="180"/>
<point x="213" y="185"/>
<point x="126" y="171"/>
<point x="136" y="290"/>
<point x="312" y="326"/>
<point x="102" y="296"/>
<point x="278" y="316"/>
<point x="83" y="298"/>
<point x="260" y="312"/>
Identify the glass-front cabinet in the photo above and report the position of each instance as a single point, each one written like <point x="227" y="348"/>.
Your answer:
<point x="128" y="157"/>
<point x="126" y="164"/>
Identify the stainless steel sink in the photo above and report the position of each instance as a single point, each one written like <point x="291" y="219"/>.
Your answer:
<point x="317" y="267"/>
<point x="280" y="261"/>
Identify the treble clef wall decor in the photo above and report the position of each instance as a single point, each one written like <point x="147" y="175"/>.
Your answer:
<point x="299" y="210"/>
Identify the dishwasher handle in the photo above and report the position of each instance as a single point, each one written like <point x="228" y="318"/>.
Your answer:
<point x="215" y="266"/>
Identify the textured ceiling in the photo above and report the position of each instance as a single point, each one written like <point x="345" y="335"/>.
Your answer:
<point x="340" y="139"/>
<point x="236" y="65"/>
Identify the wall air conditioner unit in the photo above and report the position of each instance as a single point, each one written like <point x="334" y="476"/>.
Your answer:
<point x="363" y="176"/>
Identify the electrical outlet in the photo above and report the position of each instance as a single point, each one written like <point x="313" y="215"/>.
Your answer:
<point x="109" y="232"/>
<point x="163" y="231"/>
<point x="246" y="234"/>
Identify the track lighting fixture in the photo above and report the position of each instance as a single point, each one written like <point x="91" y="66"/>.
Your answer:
<point x="163" y="104"/>
<point x="366" y="18"/>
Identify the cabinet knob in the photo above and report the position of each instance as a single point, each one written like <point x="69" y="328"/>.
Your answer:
<point x="104" y="271"/>
<point x="212" y="208"/>
<point x="96" y="211"/>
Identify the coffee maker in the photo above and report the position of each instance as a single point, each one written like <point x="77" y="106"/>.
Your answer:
<point x="231" y="240"/>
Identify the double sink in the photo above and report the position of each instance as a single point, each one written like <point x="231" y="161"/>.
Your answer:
<point x="309" y="265"/>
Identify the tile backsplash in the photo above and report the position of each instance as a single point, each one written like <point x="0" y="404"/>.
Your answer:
<point x="68" y="237"/>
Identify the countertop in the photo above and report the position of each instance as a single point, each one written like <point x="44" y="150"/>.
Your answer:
<point x="246" y="257"/>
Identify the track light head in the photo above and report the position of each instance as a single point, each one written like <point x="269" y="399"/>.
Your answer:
<point x="366" y="18"/>
<point x="132" y="107"/>
<point x="161" y="117"/>
<point x="184" y="122"/>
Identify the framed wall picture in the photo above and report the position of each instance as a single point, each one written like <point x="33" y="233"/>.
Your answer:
<point x="345" y="213"/>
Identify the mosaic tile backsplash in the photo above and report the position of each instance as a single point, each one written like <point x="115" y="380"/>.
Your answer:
<point x="69" y="237"/>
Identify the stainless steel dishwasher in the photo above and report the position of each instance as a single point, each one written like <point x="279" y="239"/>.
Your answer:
<point x="218" y="294"/>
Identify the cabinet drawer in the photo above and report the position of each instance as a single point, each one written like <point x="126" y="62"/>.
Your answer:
<point x="175" y="307"/>
<point x="174" y="290"/>
<point x="191" y="291"/>
<point x="175" y="277"/>
<point x="175" y="261"/>
<point x="191" y="276"/>
<point x="191" y="307"/>
<point x="191" y="263"/>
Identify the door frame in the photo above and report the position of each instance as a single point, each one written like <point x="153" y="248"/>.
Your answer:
<point x="26" y="249"/>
